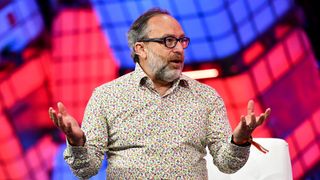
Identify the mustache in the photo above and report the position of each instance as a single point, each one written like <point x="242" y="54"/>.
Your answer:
<point x="176" y="57"/>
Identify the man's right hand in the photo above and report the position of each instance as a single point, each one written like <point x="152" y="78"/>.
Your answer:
<point x="68" y="125"/>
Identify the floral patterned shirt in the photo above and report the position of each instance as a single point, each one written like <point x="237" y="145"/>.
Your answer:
<point x="149" y="136"/>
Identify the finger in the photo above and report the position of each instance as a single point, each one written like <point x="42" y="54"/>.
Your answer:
<point x="64" y="125"/>
<point x="250" y="107"/>
<point x="261" y="119"/>
<point x="264" y="116"/>
<point x="252" y="122"/>
<point x="243" y="121"/>
<point x="62" y="109"/>
<point x="50" y="111"/>
<point x="60" y="121"/>
<point x="53" y="116"/>
<point x="267" y="113"/>
<point x="68" y="129"/>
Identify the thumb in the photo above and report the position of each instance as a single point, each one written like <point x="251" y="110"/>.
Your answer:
<point x="62" y="109"/>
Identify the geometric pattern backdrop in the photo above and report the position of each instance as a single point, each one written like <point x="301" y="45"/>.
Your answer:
<point x="259" y="49"/>
<point x="217" y="29"/>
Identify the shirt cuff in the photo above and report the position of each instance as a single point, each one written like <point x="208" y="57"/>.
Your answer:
<point x="241" y="145"/>
<point x="238" y="150"/>
<point x="76" y="149"/>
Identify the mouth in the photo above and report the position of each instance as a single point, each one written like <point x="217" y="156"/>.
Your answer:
<point x="176" y="64"/>
<point x="176" y="61"/>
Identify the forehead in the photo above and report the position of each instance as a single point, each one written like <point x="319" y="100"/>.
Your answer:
<point x="164" y="25"/>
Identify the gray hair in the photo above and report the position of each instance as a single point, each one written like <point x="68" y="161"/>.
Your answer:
<point x="138" y="29"/>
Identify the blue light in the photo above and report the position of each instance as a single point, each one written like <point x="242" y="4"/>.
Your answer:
<point x="239" y="16"/>
<point x="115" y="12"/>
<point x="202" y="51"/>
<point x="226" y="46"/>
<point x="133" y="10"/>
<point x="24" y="25"/>
<point x="188" y="8"/>
<point x="197" y="31"/>
<point x="281" y="6"/>
<point x="219" y="24"/>
<point x="256" y="4"/>
<point x="247" y="32"/>
<point x="264" y="19"/>
<point x="218" y="29"/>
<point x="209" y="6"/>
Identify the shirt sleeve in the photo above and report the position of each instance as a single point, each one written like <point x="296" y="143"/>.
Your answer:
<point x="227" y="156"/>
<point x="86" y="161"/>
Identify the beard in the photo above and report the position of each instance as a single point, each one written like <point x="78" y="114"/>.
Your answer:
<point x="161" y="69"/>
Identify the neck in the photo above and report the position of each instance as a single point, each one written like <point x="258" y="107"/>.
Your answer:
<point x="160" y="86"/>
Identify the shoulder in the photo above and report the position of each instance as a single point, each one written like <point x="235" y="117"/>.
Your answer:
<point x="120" y="81"/>
<point x="115" y="86"/>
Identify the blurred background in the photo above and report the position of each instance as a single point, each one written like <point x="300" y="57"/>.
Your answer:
<point x="60" y="50"/>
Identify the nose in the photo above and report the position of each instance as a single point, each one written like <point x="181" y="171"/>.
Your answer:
<point x="178" y="48"/>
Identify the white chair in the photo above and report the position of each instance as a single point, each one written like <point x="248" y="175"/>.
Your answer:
<point x="275" y="165"/>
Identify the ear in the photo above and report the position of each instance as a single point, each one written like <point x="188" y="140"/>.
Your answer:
<point x="139" y="48"/>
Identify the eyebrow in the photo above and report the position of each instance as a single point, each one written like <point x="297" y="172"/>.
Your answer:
<point x="166" y="35"/>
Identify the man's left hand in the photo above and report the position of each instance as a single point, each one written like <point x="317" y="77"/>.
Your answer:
<point x="248" y="124"/>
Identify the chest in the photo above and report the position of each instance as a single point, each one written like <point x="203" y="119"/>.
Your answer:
<point x="177" y="118"/>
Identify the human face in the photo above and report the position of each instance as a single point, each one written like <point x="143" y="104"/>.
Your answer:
<point x="162" y="69"/>
<point x="163" y="63"/>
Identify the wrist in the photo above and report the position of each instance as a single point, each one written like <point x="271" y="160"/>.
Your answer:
<point x="241" y="142"/>
<point x="248" y="142"/>
<point x="79" y="142"/>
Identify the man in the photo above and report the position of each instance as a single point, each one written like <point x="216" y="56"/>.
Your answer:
<point x="155" y="123"/>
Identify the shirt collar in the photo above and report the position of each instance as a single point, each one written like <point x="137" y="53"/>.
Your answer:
<point x="140" y="77"/>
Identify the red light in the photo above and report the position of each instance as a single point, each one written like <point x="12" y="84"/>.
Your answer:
<point x="252" y="53"/>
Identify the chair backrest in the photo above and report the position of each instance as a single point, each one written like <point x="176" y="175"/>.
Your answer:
<point x="275" y="165"/>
